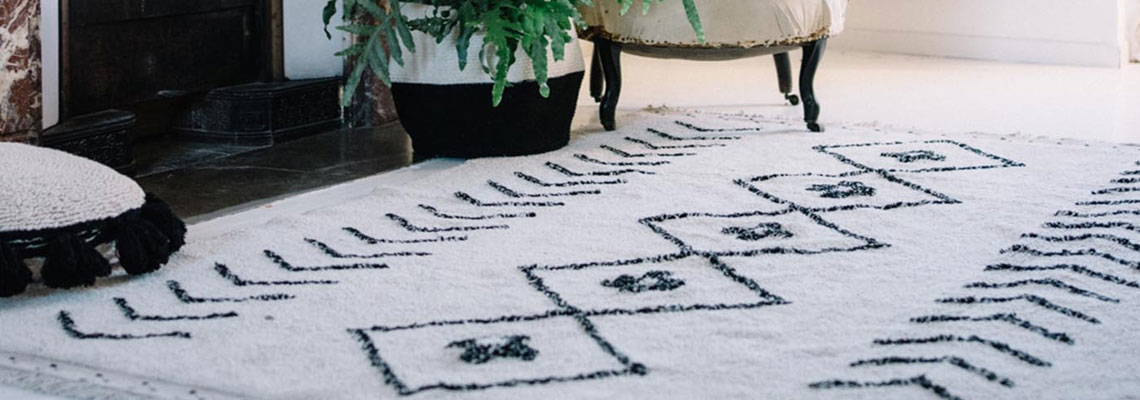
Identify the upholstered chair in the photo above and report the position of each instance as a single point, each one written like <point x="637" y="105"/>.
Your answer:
<point x="734" y="29"/>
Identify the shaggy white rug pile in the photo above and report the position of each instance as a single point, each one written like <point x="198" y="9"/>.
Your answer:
<point x="685" y="256"/>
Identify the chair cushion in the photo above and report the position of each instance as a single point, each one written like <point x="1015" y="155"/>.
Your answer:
<point x="727" y="23"/>
<point x="59" y="207"/>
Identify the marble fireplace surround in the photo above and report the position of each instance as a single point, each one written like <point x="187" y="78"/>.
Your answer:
<point x="21" y="104"/>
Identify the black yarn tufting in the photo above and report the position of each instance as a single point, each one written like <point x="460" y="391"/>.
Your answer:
<point x="14" y="274"/>
<point x="158" y="213"/>
<point x="134" y="315"/>
<point x="1075" y="214"/>
<point x="1057" y="283"/>
<point x="482" y="351"/>
<point x="518" y="195"/>
<point x="68" y="325"/>
<point x="914" y="156"/>
<point x="72" y="262"/>
<point x="1123" y="242"/>
<point x="540" y="182"/>
<point x="703" y="130"/>
<point x="404" y="223"/>
<point x="142" y="247"/>
<point x="331" y="252"/>
<point x="921" y="381"/>
<point x="1078" y="269"/>
<point x="759" y="232"/>
<point x="439" y="214"/>
<point x="479" y="203"/>
<point x="1030" y="298"/>
<point x="1009" y="318"/>
<point x="185" y="297"/>
<point x="1109" y="202"/>
<point x="229" y="275"/>
<point x="285" y="265"/>
<point x="372" y="240"/>
<point x="655" y="281"/>
<point x="626" y="154"/>
<point x="996" y="345"/>
<point x="1097" y="224"/>
<point x="1113" y="190"/>
<point x="568" y="172"/>
<point x="1023" y="249"/>
<point x="951" y="360"/>
<point x="653" y="146"/>
<point x="843" y="190"/>
<point x="586" y="158"/>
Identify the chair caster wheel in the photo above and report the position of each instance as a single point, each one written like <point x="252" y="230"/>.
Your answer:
<point x="597" y="99"/>
<point x="814" y="127"/>
<point x="793" y="99"/>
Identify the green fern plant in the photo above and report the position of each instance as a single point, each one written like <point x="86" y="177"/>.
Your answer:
<point x="506" y="25"/>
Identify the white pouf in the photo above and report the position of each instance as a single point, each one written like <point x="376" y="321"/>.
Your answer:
<point x="60" y="207"/>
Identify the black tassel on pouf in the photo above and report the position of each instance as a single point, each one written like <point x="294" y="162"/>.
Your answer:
<point x="144" y="239"/>
<point x="72" y="262"/>
<point x="158" y="213"/>
<point x="142" y="247"/>
<point x="14" y="274"/>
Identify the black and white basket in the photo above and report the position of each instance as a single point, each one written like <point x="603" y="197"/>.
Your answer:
<point x="61" y="208"/>
<point x="448" y="111"/>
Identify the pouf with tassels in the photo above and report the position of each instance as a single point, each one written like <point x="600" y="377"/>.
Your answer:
<point x="63" y="209"/>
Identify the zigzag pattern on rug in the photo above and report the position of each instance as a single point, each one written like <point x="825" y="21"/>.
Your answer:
<point x="1038" y="291"/>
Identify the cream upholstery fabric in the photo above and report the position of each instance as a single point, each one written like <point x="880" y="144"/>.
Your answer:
<point x="727" y="23"/>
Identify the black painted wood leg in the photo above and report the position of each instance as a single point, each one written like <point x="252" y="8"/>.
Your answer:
<point x="813" y="54"/>
<point x="597" y="82"/>
<point x="610" y="53"/>
<point x="784" y="71"/>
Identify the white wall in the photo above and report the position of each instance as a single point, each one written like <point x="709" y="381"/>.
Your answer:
<point x="49" y="42"/>
<point x="308" y="52"/>
<point x="1069" y="32"/>
<point x="1132" y="26"/>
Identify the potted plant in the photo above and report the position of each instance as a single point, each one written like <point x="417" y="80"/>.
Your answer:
<point x="474" y="78"/>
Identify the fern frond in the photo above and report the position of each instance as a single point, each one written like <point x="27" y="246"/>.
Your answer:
<point x="538" y="27"/>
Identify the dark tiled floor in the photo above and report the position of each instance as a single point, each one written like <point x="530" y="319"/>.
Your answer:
<point x="167" y="153"/>
<point x="202" y="179"/>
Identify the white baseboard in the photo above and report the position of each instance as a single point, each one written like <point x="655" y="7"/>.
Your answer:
<point x="1035" y="51"/>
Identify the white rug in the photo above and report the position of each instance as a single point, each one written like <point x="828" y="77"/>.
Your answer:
<point x="685" y="256"/>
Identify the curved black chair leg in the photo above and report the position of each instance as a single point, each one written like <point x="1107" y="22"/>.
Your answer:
<point x="784" y="71"/>
<point x="597" y="83"/>
<point x="813" y="54"/>
<point x="610" y="53"/>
